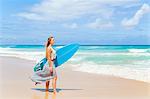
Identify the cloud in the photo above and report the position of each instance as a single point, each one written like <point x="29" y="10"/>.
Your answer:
<point x="71" y="26"/>
<point x="100" y="24"/>
<point x="134" y="21"/>
<point x="64" y="10"/>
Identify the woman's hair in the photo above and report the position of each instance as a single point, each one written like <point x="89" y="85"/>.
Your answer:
<point x="48" y="41"/>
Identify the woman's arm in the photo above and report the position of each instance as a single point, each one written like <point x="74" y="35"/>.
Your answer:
<point x="48" y="52"/>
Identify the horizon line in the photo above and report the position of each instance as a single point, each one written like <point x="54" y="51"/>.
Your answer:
<point x="79" y="44"/>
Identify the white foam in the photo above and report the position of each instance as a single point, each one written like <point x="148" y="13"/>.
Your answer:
<point x="35" y="55"/>
<point x="93" y="47"/>
<point x="58" y="47"/>
<point x="138" y="50"/>
<point x="113" y="53"/>
<point x="141" y="74"/>
<point x="125" y="71"/>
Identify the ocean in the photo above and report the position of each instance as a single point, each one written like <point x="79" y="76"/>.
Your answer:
<point x="125" y="61"/>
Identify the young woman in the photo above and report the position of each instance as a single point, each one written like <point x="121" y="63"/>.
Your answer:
<point x="48" y="72"/>
<point x="51" y="55"/>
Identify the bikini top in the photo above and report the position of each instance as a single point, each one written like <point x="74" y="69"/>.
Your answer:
<point x="53" y="54"/>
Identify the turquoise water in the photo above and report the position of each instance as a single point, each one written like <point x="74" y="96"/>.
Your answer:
<point x="88" y="47"/>
<point x="124" y="61"/>
<point x="97" y="54"/>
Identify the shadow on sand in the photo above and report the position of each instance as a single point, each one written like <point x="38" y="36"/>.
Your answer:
<point x="51" y="90"/>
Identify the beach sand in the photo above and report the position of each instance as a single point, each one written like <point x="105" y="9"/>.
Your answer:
<point x="15" y="84"/>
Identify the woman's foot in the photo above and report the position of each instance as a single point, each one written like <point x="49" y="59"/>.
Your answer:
<point x="46" y="90"/>
<point x="54" y="91"/>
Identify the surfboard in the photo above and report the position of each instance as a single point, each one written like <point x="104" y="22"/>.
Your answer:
<point x="62" y="55"/>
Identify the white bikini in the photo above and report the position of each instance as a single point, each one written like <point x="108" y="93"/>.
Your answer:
<point x="53" y="54"/>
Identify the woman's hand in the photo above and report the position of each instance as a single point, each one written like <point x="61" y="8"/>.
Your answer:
<point x="51" y="69"/>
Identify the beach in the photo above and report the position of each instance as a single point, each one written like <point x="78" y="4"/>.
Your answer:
<point x="100" y="48"/>
<point x="16" y="84"/>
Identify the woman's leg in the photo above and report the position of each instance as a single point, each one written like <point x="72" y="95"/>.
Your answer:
<point x="54" y="81"/>
<point x="47" y="85"/>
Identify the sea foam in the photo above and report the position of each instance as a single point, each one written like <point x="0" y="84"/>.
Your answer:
<point x="141" y="74"/>
<point x="84" y="61"/>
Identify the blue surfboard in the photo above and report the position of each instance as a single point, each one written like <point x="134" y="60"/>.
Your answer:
<point x="62" y="55"/>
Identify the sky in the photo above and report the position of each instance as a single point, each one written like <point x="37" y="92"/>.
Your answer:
<point x="87" y="22"/>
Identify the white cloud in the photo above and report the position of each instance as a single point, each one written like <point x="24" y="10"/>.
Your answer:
<point x="100" y="24"/>
<point x="129" y="23"/>
<point x="72" y="26"/>
<point x="60" y="10"/>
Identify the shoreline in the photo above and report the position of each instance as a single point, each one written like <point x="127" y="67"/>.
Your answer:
<point x="76" y="70"/>
<point x="15" y="73"/>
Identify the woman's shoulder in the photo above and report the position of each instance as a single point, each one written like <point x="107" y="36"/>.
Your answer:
<point x="49" y="47"/>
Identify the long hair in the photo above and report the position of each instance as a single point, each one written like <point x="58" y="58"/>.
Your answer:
<point x="48" y="41"/>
